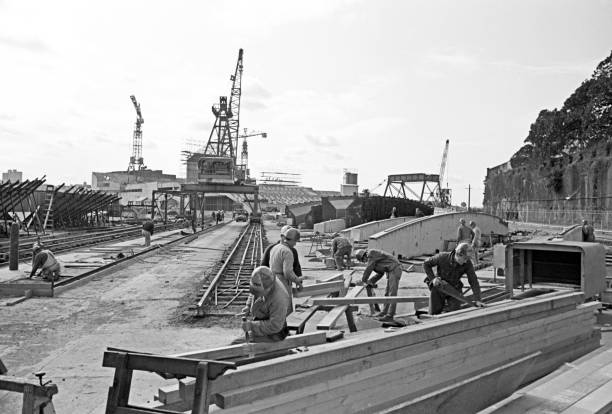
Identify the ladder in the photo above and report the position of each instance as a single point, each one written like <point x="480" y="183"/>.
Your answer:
<point x="48" y="206"/>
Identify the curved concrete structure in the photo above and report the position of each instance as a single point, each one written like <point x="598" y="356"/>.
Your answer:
<point x="363" y="231"/>
<point x="426" y="234"/>
<point x="330" y="226"/>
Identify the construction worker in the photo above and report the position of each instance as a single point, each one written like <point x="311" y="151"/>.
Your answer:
<point x="281" y="263"/>
<point x="588" y="234"/>
<point x="381" y="262"/>
<point x="476" y="240"/>
<point x="450" y="267"/>
<point x="393" y="212"/>
<point x="265" y="260"/>
<point x="147" y="231"/>
<point x="464" y="233"/>
<point x="341" y="246"/>
<point x="45" y="260"/>
<point x="268" y="309"/>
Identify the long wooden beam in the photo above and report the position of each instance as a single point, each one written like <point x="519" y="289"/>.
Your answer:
<point x="319" y="289"/>
<point x="369" y="300"/>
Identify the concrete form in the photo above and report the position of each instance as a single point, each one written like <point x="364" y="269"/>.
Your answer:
<point x="425" y="235"/>
<point x="330" y="226"/>
<point x="363" y="231"/>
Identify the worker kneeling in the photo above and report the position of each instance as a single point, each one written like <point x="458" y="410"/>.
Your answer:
<point x="450" y="267"/>
<point x="269" y="308"/>
<point x="45" y="260"/>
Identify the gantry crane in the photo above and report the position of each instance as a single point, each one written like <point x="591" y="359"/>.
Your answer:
<point x="136" y="160"/>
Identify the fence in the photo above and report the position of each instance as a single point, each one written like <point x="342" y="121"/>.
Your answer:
<point x="600" y="219"/>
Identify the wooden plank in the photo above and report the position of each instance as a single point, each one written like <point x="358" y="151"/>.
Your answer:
<point x="318" y="289"/>
<point x="420" y="300"/>
<point x="335" y="278"/>
<point x="472" y="394"/>
<point x="298" y="319"/>
<point x="235" y="351"/>
<point x="389" y="382"/>
<point x="20" y="289"/>
<point x="596" y="402"/>
<point x="329" y="320"/>
<point x="420" y="353"/>
<point x="479" y="323"/>
<point x="18" y="384"/>
<point x="26" y="296"/>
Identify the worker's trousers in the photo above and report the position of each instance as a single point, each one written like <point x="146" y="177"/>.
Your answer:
<point x="393" y="279"/>
<point x="51" y="273"/>
<point x="147" y="236"/>
<point x="437" y="300"/>
<point x="339" y="257"/>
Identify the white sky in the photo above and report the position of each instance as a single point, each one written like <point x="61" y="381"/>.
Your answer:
<point x="375" y="86"/>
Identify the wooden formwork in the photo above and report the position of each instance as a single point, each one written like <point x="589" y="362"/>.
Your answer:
<point x="434" y="365"/>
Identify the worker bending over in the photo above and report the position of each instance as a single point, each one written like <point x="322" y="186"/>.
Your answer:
<point x="341" y="246"/>
<point x="281" y="263"/>
<point x="450" y="267"/>
<point x="45" y="260"/>
<point x="268" y="307"/>
<point x="382" y="262"/>
<point x="265" y="260"/>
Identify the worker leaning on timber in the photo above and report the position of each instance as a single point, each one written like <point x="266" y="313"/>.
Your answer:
<point x="464" y="233"/>
<point x="341" y="246"/>
<point x="381" y="262"/>
<point x="45" y="260"/>
<point x="450" y="267"/>
<point x="147" y="231"/>
<point x="281" y="263"/>
<point x="268" y="309"/>
<point x="265" y="260"/>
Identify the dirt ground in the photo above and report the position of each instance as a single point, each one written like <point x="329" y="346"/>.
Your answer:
<point x="138" y="308"/>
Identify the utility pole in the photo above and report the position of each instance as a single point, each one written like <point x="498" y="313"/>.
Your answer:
<point x="469" y="195"/>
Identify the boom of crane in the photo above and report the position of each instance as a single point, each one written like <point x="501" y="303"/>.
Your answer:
<point x="443" y="196"/>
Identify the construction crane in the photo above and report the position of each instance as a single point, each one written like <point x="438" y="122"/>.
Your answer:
<point x="443" y="195"/>
<point x="234" y="103"/>
<point x="244" y="155"/>
<point x="136" y="160"/>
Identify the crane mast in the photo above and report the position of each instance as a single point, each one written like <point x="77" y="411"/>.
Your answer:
<point x="136" y="160"/>
<point x="443" y="195"/>
<point x="234" y="104"/>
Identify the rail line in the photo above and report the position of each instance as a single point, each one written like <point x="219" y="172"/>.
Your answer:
<point x="228" y="290"/>
<point x="72" y="241"/>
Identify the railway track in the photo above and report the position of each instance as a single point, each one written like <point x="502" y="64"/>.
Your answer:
<point x="71" y="241"/>
<point x="227" y="291"/>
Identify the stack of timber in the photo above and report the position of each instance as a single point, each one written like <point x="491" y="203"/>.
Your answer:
<point x="461" y="363"/>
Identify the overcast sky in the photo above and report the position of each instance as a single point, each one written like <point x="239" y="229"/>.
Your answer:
<point x="373" y="86"/>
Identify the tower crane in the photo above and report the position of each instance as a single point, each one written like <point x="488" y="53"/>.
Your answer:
<point x="136" y="160"/>
<point x="443" y="193"/>
<point x="234" y="103"/>
<point x="244" y="155"/>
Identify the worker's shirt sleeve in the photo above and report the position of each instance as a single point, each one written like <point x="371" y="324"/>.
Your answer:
<point x="428" y="266"/>
<point x="265" y="260"/>
<point x="37" y="262"/>
<point x="288" y="266"/>
<point x="473" y="279"/>
<point x="370" y="267"/>
<point x="334" y="245"/>
<point x="276" y="321"/>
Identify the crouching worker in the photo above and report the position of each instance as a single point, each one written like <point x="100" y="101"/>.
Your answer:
<point x="381" y="262"/>
<point x="45" y="260"/>
<point x="268" y="305"/>
<point x="450" y="267"/>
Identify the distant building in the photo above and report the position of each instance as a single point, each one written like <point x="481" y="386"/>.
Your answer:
<point x="13" y="176"/>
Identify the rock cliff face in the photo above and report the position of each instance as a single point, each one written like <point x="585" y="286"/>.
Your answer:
<point x="566" y="162"/>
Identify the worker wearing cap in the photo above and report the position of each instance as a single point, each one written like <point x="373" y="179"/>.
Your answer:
<point x="341" y="246"/>
<point x="450" y="266"/>
<point x="281" y="263"/>
<point x="382" y="262"/>
<point x="45" y="260"/>
<point x="588" y="234"/>
<point x="265" y="260"/>
<point x="147" y="231"/>
<point x="268" y="309"/>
